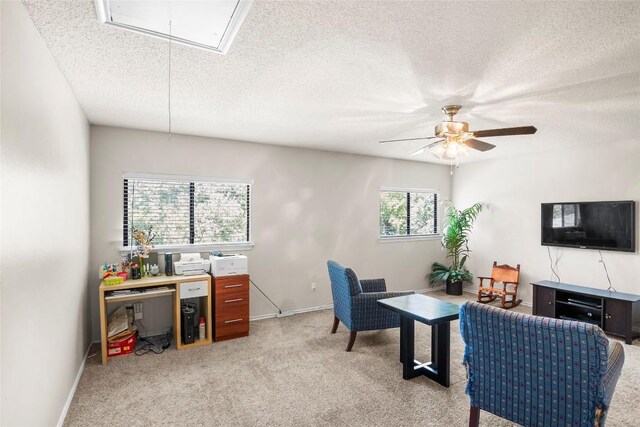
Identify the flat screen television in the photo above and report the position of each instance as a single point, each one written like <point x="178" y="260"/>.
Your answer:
<point x="590" y="225"/>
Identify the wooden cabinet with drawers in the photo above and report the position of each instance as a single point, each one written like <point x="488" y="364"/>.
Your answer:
<point x="231" y="306"/>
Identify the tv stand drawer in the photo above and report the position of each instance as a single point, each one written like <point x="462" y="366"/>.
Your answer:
<point x="544" y="301"/>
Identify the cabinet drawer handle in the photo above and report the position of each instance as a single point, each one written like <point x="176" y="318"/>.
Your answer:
<point x="233" y="321"/>
<point x="550" y="302"/>
<point x="233" y="300"/>
<point x="233" y="286"/>
<point x="607" y="316"/>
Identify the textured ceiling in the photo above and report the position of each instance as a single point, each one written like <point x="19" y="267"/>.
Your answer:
<point x="342" y="75"/>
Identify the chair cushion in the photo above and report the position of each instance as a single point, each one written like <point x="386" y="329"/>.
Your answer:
<point x="354" y="283"/>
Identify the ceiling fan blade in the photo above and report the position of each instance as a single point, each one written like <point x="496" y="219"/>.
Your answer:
<point x="409" y="139"/>
<point x="423" y="149"/>
<point x="476" y="144"/>
<point x="523" y="130"/>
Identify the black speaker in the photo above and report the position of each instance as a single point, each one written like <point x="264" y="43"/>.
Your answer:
<point x="168" y="264"/>
<point x="189" y="311"/>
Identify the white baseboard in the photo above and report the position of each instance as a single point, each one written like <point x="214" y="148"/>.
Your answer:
<point x="72" y="392"/>
<point x="162" y="331"/>
<point x="326" y="306"/>
<point x="433" y="289"/>
<point x="298" y="311"/>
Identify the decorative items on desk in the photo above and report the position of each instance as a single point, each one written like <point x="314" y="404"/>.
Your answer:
<point x="144" y="239"/>
<point x="154" y="270"/>
<point x="110" y="274"/>
<point x="135" y="272"/>
<point x="143" y="249"/>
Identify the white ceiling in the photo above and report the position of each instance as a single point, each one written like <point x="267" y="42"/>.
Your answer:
<point x="342" y="75"/>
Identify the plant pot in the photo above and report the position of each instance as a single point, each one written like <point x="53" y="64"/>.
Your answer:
<point x="454" y="288"/>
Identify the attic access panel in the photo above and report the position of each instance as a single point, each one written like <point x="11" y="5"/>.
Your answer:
<point x="209" y="25"/>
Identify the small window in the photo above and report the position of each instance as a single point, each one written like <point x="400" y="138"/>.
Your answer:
<point x="408" y="213"/>
<point x="186" y="210"/>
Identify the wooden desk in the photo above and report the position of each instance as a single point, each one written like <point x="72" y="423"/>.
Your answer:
<point x="156" y="281"/>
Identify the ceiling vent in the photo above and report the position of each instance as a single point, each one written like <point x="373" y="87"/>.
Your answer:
<point x="209" y="25"/>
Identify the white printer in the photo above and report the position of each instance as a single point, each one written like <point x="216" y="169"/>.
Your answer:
<point x="191" y="263"/>
<point x="228" y="265"/>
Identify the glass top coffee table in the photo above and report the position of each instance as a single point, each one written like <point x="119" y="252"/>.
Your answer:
<point x="430" y="311"/>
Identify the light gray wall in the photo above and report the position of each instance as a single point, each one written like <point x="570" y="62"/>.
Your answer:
<point x="308" y="206"/>
<point x="509" y="231"/>
<point x="44" y="162"/>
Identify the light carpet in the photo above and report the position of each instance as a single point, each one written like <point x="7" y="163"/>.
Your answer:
<point x="292" y="371"/>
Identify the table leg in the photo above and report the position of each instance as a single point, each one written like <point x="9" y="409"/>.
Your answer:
<point x="402" y="340"/>
<point x="440" y="352"/>
<point x="438" y="368"/>
<point x="407" y="350"/>
<point x="103" y="327"/>
<point x="177" y="335"/>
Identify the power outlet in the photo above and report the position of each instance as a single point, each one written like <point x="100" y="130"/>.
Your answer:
<point x="137" y="310"/>
<point x="313" y="286"/>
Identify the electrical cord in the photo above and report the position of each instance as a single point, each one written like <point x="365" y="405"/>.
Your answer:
<point x="265" y="295"/>
<point x="156" y="344"/>
<point x="218" y="253"/>
<point x="553" y="271"/>
<point x="606" y="272"/>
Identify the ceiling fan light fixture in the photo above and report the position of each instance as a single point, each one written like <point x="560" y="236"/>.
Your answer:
<point x="456" y="150"/>
<point x="450" y="150"/>
<point x="438" y="151"/>
<point x="451" y="128"/>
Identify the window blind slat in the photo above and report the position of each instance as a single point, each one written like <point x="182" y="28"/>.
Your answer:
<point x="181" y="212"/>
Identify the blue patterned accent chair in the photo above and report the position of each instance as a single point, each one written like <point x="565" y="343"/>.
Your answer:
<point x="354" y="302"/>
<point x="537" y="371"/>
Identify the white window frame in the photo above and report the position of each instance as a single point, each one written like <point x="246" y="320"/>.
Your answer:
<point x="196" y="247"/>
<point x="404" y="238"/>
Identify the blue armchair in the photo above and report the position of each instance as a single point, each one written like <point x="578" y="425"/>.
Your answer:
<point x="537" y="371"/>
<point x="354" y="302"/>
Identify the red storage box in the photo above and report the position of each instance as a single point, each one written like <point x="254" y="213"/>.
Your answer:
<point x="123" y="346"/>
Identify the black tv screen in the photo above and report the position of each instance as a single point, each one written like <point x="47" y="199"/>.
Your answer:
<point x="590" y="225"/>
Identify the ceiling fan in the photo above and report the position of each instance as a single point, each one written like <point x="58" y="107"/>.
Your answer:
<point x="454" y="138"/>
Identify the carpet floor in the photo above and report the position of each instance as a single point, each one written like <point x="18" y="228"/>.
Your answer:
<point x="292" y="371"/>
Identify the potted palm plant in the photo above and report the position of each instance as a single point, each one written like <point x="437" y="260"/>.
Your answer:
<point x="455" y="239"/>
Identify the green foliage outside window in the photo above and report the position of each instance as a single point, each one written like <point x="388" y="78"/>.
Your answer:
<point x="408" y="213"/>
<point x="221" y="215"/>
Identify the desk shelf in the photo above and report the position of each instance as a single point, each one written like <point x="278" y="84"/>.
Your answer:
<point x="203" y="301"/>
<point x="136" y="297"/>
<point x="198" y="343"/>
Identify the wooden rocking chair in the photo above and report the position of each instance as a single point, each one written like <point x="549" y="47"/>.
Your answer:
<point x="506" y="275"/>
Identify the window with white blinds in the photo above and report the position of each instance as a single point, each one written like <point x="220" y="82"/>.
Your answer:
<point x="186" y="210"/>
<point x="408" y="213"/>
